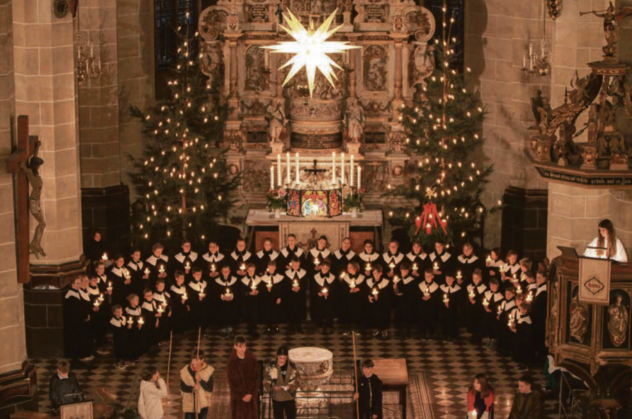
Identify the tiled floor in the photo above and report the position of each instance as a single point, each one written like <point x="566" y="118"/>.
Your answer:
<point x="449" y="367"/>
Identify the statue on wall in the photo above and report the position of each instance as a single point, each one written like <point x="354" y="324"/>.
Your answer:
<point x="31" y="169"/>
<point x="256" y="70"/>
<point x="618" y="321"/>
<point x="211" y="62"/>
<point x="542" y="112"/>
<point x="421" y="64"/>
<point x="375" y="60"/>
<point x="611" y="25"/>
<point x="578" y="319"/>
<point x="354" y="120"/>
<point x="276" y="119"/>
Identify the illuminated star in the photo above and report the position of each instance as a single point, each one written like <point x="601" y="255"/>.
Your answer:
<point x="310" y="49"/>
<point x="430" y="193"/>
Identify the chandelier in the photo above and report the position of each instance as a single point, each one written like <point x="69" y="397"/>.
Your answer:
<point x="536" y="62"/>
<point x="310" y="47"/>
<point x="88" y="66"/>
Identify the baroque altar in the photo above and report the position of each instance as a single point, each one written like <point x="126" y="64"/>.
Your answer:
<point x="358" y="116"/>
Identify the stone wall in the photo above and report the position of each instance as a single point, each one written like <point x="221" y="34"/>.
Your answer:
<point x="13" y="346"/>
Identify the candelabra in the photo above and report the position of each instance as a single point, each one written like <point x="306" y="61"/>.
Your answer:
<point x="536" y="62"/>
<point x="88" y="66"/>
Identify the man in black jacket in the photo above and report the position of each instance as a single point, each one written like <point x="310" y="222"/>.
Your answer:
<point x="369" y="393"/>
<point x="529" y="402"/>
<point x="64" y="387"/>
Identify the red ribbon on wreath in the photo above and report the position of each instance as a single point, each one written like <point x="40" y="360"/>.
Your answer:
<point x="429" y="218"/>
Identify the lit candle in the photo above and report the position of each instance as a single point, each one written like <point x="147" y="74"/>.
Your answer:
<point x="500" y="310"/>
<point x="435" y="266"/>
<point x="187" y="267"/>
<point x="368" y="267"/>
<point x="342" y="275"/>
<point x="472" y="294"/>
<point x="269" y="284"/>
<point x="287" y="156"/>
<point x="415" y="267"/>
<point x="110" y="286"/>
<point x="297" y="172"/>
<point x="333" y="167"/>
<point x="101" y="297"/>
<point x="324" y="291"/>
<point x="202" y="293"/>
<point x="529" y="297"/>
<point x="359" y="172"/>
<point x="184" y="297"/>
<point x="160" y="309"/>
<point x="271" y="177"/>
<point x="342" y="168"/>
<point x="141" y="321"/>
<point x="213" y="267"/>
<point x="375" y="291"/>
<point x="316" y="261"/>
<point x="228" y="292"/>
<point x="489" y="259"/>
<point x="242" y="267"/>
<point x="104" y="257"/>
<point x="97" y="302"/>
<point x="146" y="271"/>
<point x="428" y="228"/>
<point x="253" y="286"/>
<point x="294" y="283"/>
<point x="518" y="289"/>
<point x="426" y="292"/>
<point x="458" y="275"/>
<point x="161" y="269"/>
<point x="352" y="284"/>
<point x="279" y="169"/>
<point x="351" y="172"/>
<point x="445" y="297"/>
<point x="126" y="273"/>
<point x="485" y="302"/>
<point x="514" y="279"/>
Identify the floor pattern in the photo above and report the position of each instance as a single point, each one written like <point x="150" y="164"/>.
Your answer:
<point x="448" y="368"/>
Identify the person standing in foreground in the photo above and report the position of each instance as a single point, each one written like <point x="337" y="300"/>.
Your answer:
<point x="63" y="387"/>
<point x="280" y="380"/>
<point x="196" y="386"/>
<point x="243" y="380"/>
<point x="152" y="390"/>
<point x="480" y="398"/>
<point x="528" y="403"/>
<point x="369" y="393"/>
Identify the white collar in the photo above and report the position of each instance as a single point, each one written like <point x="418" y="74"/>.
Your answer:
<point x="212" y="258"/>
<point x="381" y="285"/>
<point x="135" y="266"/>
<point x="178" y="290"/>
<point x="429" y="288"/>
<point x="152" y="260"/>
<point x="450" y="290"/>
<point x="275" y="279"/>
<point x="320" y="280"/>
<point x="231" y="280"/>
<point x="273" y="255"/>
<point x="323" y="253"/>
<point x="197" y="286"/>
<point x="93" y="291"/>
<point x="181" y="258"/>
<point x="120" y="322"/>
<point x="133" y="311"/>
<point x="117" y="271"/>
<point x="523" y="319"/>
<point x="148" y="305"/>
<point x="508" y="305"/>
<point x="290" y="273"/>
<point x="411" y="256"/>
<point x="247" y="281"/>
<point x="84" y="294"/>
<point x="396" y="259"/>
<point x="369" y="258"/>
<point x="473" y="258"/>
<point x="358" y="279"/>
<point x="444" y="257"/>
<point x="540" y="289"/>
<point x="245" y="256"/>
<point x="298" y="252"/>
<point x="406" y="280"/>
<point x="350" y="255"/>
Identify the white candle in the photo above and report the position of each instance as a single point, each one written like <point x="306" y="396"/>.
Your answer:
<point x="271" y="177"/>
<point x="333" y="167"/>
<point x="351" y="172"/>
<point x="287" y="155"/>
<point x="342" y="168"/>
<point x="359" y="170"/>
<point x="297" y="172"/>
<point x="279" y="169"/>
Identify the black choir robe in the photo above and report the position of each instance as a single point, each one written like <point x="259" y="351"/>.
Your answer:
<point x="296" y="301"/>
<point x="406" y="295"/>
<point x="323" y="308"/>
<point x="139" y="275"/>
<point x="495" y="300"/>
<point x="508" y="275"/>
<point x="340" y="259"/>
<point x="239" y="260"/>
<point x="448" y="313"/>
<point x="429" y="308"/>
<point x="538" y="315"/>
<point x="123" y="349"/>
<point x="152" y="321"/>
<point x="274" y="289"/>
<point x="367" y="262"/>
<point x="249" y="302"/>
<point x="390" y="264"/>
<point x="523" y="341"/>
<point x="444" y="261"/>
<point x="421" y="261"/>
<point x="162" y="300"/>
<point x="185" y="262"/>
<point x="353" y="304"/>
<point x="287" y="254"/>
<point x="467" y="265"/>
<point x="492" y="269"/>
<point x="314" y="258"/>
<point x="212" y="264"/>
<point x="120" y="290"/>
<point x="78" y="341"/>
<point x="474" y="311"/>
<point x="99" y="314"/>
<point x="227" y="312"/>
<point x="180" y="309"/>
<point x="137" y="335"/>
<point x="379" y="298"/>
<point x="201" y="311"/>
<point x="264" y="257"/>
<point x="505" y="335"/>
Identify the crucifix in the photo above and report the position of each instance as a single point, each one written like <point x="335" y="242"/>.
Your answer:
<point x="15" y="165"/>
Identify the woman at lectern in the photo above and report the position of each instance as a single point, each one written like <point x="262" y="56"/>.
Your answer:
<point x="606" y="244"/>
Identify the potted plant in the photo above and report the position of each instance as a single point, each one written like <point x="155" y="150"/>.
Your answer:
<point x="353" y="201"/>
<point x="277" y="200"/>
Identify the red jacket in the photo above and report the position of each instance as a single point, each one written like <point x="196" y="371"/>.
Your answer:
<point x="489" y="401"/>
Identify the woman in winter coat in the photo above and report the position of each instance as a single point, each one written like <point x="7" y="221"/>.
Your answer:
<point x="152" y="390"/>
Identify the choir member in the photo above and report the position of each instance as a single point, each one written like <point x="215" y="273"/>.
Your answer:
<point x="391" y="260"/>
<point x="428" y="304"/>
<point x="162" y="302"/>
<point x="157" y="263"/>
<point x="606" y="244"/>
<point x="139" y="273"/>
<point x="506" y="313"/>
<point x="495" y="299"/>
<point x="100" y="312"/>
<point x="368" y="257"/>
<point x="467" y="262"/>
<point x="510" y="271"/>
<point x="214" y="260"/>
<point x="442" y="261"/>
<point x="151" y="317"/>
<point x="475" y="306"/>
<point x="265" y="255"/>
<point x="77" y="338"/>
<point x="418" y="259"/>
<point x="102" y="279"/>
<point x="96" y="247"/>
<point x="529" y="285"/>
<point x="352" y="299"/>
<point x="493" y="264"/>
<point x="448" y="309"/>
<point x="185" y="260"/>
<point x="369" y="393"/>
<point x="121" y="280"/>
<point x="180" y="308"/>
<point x="120" y="327"/>
<point x="324" y="291"/>
<point x="198" y="300"/>
<point x="317" y="254"/>
<point x="342" y="257"/>
<point x="538" y="314"/>
<point x="289" y="252"/>
<point x="243" y="381"/>
<point x="250" y="291"/>
<point x="273" y="298"/>
<point x="525" y="267"/>
<point x="296" y="281"/>
<point x="406" y="296"/>
<point x="380" y="299"/>
<point x="226" y="300"/>
<point x="240" y="257"/>
<point x="133" y="315"/>
<point x="522" y="328"/>
<point x="88" y="307"/>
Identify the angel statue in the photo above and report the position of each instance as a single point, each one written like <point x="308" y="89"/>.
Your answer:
<point x="31" y="169"/>
<point x="276" y="120"/>
<point x="618" y="322"/>
<point x="354" y="121"/>
<point x="542" y="112"/>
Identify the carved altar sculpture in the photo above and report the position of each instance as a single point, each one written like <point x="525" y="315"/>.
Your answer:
<point x="618" y="322"/>
<point x="35" y="206"/>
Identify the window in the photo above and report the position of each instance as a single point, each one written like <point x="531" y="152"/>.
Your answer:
<point x="456" y="10"/>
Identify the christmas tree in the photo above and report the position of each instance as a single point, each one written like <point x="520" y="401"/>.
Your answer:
<point x="444" y="139"/>
<point x="182" y="179"/>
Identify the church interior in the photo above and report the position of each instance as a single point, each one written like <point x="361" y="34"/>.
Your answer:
<point x="432" y="195"/>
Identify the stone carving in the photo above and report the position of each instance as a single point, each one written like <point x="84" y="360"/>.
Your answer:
<point x="542" y="112"/>
<point x="257" y="13"/>
<point x="232" y="24"/>
<point x="354" y="120"/>
<point x="31" y="169"/>
<point x="328" y="110"/>
<point x="565" y="151"/>
<point x="375" y="60"/>
<point x="618" y="320"/>
<point x="396" y="141"/>
<point x="256" y="176"/>
<point x="399" y="25"/>
<point x="421" y="64"/>
<point x="578" y="319"/>
<point x="256" y="70"/>
<point x="212" y="22"/>
<point x="212" y="62"/>
<point x="375" y="108"/>
<point x="422" y="23"/>
<point x="234" y="140"/>
<point x="375" y="176"/>
<point x="256" y="107"/>
<point x="275" y="115"/>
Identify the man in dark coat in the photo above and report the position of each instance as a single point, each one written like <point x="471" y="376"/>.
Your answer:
<point x="528" y="403"/>
<point x="243" y="380"/>
<point x="64" y="387"/>
<point x="369" y="393"/>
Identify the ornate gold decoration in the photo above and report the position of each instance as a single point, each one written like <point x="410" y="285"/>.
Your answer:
<point x="555" y="8"/>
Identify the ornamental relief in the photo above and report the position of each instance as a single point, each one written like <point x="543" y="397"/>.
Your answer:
<point x="375" y="60"/>
<point x="257" y="72"/>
